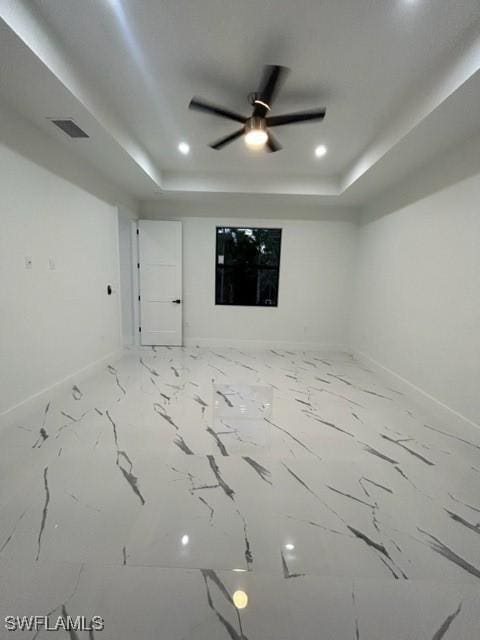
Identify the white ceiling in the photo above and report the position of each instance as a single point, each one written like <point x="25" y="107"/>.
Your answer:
<point x="398" y="77"/>
<point x="29" y="88"/>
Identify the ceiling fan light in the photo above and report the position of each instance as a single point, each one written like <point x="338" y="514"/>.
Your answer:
<point x="256" y="138"/>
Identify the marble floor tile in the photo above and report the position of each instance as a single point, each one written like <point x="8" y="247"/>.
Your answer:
<point x="152" y="492"/>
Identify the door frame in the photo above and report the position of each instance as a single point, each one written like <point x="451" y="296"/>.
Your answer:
<point x="135" y="282"/>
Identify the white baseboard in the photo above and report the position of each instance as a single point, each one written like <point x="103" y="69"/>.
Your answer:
<point x="38" y="400"/>
<point x="264" y="344"/>
<point x="445" y="413"/>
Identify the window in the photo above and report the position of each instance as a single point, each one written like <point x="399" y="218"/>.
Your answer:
<point x="247" y="266"/>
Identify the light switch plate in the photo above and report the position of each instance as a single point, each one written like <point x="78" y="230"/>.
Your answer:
<point x="28" y="262"/>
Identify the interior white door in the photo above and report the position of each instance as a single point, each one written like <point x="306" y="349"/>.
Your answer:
<point x="160" y="282"/>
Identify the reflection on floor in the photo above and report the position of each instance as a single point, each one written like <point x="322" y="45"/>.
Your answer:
<point x="200" y="494"/>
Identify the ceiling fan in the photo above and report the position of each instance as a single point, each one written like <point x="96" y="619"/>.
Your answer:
<point x="256" y="127"/>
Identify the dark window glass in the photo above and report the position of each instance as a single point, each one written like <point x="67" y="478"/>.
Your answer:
<point x="247" y="266"/>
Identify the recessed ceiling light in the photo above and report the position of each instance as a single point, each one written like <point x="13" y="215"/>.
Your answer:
<point x="184" y="148"/>
<point x="289" y="546"/>
<point x="185" y="540"/>
<point x="321" y="150"/>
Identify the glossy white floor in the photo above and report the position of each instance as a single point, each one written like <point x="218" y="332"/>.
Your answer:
<point x="154" y="491"/>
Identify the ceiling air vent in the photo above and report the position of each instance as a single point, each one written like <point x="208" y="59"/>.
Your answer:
<point x="70" y="128"/>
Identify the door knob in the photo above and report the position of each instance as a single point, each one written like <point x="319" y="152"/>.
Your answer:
<point x="178" y="301"/>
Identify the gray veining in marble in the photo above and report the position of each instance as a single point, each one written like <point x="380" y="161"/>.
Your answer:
<point x="152" y="492"/>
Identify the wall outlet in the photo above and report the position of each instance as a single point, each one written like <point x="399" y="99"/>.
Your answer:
<point x="51" y="264"/>
<point x="28" y="262"/>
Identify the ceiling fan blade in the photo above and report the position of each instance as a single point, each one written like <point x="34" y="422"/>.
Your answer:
<point x="198" y="104"/>
<point x="219" y="144"/>
<point x="273" y="78"/>
<point x="299" y="116"/>
<point x="272" y="144"/>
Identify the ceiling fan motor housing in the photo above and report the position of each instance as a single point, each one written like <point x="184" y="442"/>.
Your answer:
<point x="255" y="123"/>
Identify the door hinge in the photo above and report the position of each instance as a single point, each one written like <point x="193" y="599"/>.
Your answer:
<point x="139" y="298"/>
<point x="138" y="232"/>
<point x="139" y="329"/>
<point x="138" y="265"/>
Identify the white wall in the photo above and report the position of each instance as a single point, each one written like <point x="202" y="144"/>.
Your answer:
<point x="416" y="308"/>
<point x="52" y="322"/>
<point x="315" y="287"/>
